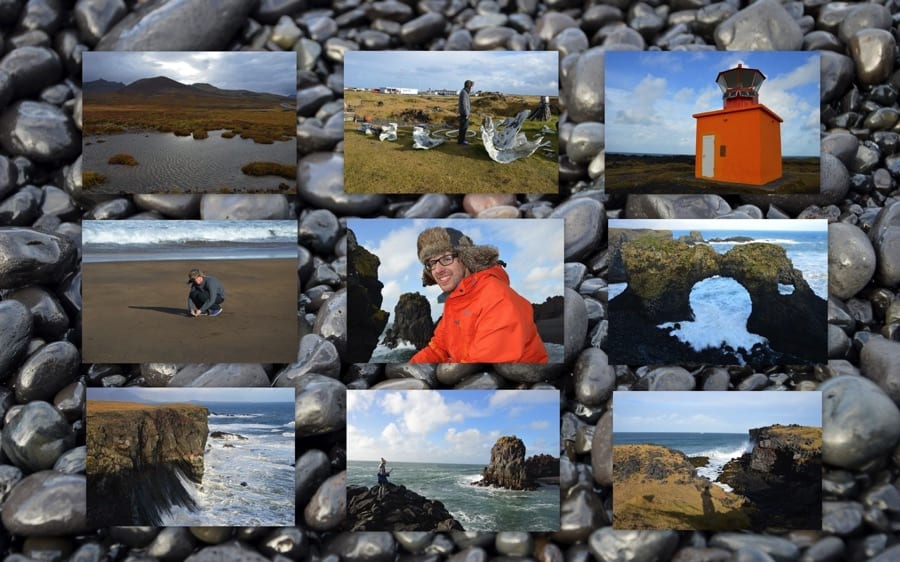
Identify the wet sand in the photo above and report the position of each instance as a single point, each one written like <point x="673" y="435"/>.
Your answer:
<point x="136" y="312"/>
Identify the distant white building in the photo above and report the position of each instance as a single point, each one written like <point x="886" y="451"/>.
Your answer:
<point x="402" y="91"/>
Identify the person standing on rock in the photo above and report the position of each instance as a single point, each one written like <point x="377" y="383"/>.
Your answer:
<point x="383" y="472"/>
<point x="206" y="296"/>
<point x="465" y="109"/>
<point x="484" y="320"/>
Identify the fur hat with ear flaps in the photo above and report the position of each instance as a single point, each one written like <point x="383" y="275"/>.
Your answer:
<point x="436" y="241"/>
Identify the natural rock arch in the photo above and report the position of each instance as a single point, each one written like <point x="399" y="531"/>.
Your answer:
<point x="661" y="273"/>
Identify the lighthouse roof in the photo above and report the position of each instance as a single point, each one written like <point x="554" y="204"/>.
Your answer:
<point x="740" y="78"/>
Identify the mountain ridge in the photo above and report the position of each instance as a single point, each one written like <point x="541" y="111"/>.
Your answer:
<point x="162" y="88"/>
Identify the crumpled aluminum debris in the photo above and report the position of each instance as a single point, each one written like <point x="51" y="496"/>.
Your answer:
<point x="424" y="141"/>
<point x="504" y="143"/>
<point x="388" y="132"/>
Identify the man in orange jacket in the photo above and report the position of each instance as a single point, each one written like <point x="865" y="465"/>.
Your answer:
<point x="484" y="320"/>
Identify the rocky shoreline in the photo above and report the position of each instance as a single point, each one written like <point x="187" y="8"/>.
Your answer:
<point x="781" y="476"/>
<point x="389" y="507"/>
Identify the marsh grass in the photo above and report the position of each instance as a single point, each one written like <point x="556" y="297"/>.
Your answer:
<point x="372" y="166"/>
<point x="123" y="159"/>
<point x="92" y="179"/>
<point x="628" y="173"/>
<point x="261" y="124"/>
<point x="269" y="169"/>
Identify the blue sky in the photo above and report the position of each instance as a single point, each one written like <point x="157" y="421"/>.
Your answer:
<point x="258" y="71"/>
<point x="531" y="248"/>
<point x="169" y="395"/>
<point x="448" y="426"/>
<point x="737" y="225"/>
<point x="713" y="412"/>
<point x="525" y="73"/>
<point x="651" y="97"/>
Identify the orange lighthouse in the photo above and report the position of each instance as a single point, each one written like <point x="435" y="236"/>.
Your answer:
<point x="740" y="143"/>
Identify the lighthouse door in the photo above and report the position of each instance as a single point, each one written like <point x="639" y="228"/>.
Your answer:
<point x="708" y="156"/>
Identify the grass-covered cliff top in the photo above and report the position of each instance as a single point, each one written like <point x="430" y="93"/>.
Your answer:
<point x="113" y="406"/>
<point x="805" y="438"/>
<point x="656" y="488"/>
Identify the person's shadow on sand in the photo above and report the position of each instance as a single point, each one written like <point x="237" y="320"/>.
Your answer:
<point x="163" y="309"/>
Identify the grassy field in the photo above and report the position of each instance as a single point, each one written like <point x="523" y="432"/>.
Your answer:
<point x="264" y="125"/>
<point x="675" y="174"/>
<point x="678" y="501"/>
<point x="95" y="406"/>
<point x="372" y="166"/>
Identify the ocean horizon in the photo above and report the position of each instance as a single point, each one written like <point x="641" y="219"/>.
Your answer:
<point x="718" y="447"/>
<point x="118" y="241"/>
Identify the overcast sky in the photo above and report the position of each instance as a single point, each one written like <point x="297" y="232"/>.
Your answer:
<point x="531" y="248"/>
<point x="456" y="426"/>
<point x="739" y="225"/>
<point x="525" y="73"/>
<point x="263" y="71"/>
<point x="713" y="412"/>
<point x="169" y="395"/>
<point x="651" y="97"/>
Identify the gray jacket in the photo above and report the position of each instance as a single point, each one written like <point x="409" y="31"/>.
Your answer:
<point x="464" y="108"/>
<point x="215" y="289"/>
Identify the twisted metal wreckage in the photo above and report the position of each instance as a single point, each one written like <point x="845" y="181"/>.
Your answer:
<point x="503" y="141"/>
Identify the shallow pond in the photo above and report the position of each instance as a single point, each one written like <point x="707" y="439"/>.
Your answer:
<point x="168" y="163"/>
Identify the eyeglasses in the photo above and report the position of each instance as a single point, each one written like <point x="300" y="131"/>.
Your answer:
<point x="443" y="260"/>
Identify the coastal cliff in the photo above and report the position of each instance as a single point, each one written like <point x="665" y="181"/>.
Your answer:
<point x="657" y="488"/>
<point x="781" y="476"/>
<point x="138" y="456"/>
<point x="388" y="507"/>
<point x="661" y="273"/>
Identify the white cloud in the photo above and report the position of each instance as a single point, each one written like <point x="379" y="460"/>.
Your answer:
<point x="540" y="424"/>
<point x="397" y="251"/>
<point x="519" y="398"/>
<point x="424" y="411"/>
<point x="359" y="401"/>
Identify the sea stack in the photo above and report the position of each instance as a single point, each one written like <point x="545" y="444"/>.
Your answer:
<point x="137" y="455"/>
<point x="509" y="469"/>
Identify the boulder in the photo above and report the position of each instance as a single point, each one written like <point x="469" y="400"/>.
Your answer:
<point x="389" y="507"/>
<point x="365" y="319"/>
<point x="412" y="322"/>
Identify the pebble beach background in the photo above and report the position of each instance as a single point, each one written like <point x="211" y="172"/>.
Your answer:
<point x="42" y="205"/>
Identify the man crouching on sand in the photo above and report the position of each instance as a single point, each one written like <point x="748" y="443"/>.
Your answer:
<point x="484" y="320"/>
<point x="206" y="296"/>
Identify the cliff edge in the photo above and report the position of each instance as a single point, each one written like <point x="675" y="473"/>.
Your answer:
<point x="138" y="456"/>
<point x="388" y="507"/>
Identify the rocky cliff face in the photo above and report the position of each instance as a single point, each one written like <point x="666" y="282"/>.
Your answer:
<point x="366" y="320"/>
<point x="661" y="273"/>
<point x="412" y="322"/>
<point x="137" y="458"/>
<point x="507" y="466"/>
<point x="782" y="476"/>
<point x="389" y="507"/>
<point x="541" y="466"/>
<point x="128" y="437"/>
